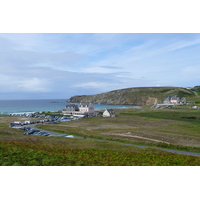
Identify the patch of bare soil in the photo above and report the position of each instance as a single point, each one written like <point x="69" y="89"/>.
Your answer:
<point x="164" y="138"/>
<point x="95" y="126"/>
<point x="129" y="134"/>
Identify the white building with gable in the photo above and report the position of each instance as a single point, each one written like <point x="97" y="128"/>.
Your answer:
<point x="109" y="113"/>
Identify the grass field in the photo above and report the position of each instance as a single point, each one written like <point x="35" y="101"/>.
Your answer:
<point x="179" y="128"/>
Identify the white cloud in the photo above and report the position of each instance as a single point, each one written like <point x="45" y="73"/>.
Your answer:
<point x="34" y="84"/>
<point x="97" y="86"/>
<point x="89" y="85"/>
<point x="101" y="70"/>
<point x="21" y="84"/>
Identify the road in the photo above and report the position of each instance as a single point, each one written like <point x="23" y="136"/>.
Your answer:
<point x="139" y="146"/>
<point x="168" y="150"/>
<point x="50" y="132"/>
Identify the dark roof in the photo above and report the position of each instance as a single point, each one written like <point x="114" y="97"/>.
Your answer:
<point x="70" y="106"/>
<point x="110" y="110"/>
<point x="85" y="104"/>
<point x="169" y="98"/>
<point x="175" y="98"/>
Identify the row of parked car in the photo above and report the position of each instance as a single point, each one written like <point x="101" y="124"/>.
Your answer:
<point x="46" y="119"/>
<point x="32" y="131"/>
<point x="39" y="115"/>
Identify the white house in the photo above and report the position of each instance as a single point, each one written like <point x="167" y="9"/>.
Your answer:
<point x="109" y="113"/>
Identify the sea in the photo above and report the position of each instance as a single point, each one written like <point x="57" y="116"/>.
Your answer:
<point x="29" y="106"/>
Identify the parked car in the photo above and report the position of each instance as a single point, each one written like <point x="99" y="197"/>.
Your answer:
<point x="43" y="133"/>
<point x="17" y="126"/>
<point x="69" y="136"/>
<point x="31" y="131"/>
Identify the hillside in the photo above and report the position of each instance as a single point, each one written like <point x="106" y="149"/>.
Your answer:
<point x="135" y="96"/>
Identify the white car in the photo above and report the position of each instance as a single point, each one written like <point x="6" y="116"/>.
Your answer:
<point x="70" y="136"/>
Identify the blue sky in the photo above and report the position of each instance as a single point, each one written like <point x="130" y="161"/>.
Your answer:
<point x="53" y="65"/>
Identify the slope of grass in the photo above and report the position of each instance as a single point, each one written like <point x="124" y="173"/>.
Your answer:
<point x="24" y="154"/>
<point x="188" y="115"/>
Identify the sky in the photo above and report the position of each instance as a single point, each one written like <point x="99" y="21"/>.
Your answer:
<point x="53" y="65"/>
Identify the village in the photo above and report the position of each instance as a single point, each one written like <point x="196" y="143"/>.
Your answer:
<point x="172" y="102"/>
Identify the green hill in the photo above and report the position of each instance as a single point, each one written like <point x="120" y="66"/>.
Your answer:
<point x="137" y="96"/>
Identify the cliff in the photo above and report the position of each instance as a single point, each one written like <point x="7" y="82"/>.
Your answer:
<point x="133" y="96"/>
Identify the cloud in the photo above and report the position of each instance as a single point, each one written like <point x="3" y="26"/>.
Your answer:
<point x="68" y="64"/>
<point x="34" y="85"/>
<point x="101" y="70"/>
<point x="21" y="84"/>
<point x="90" y="85"/>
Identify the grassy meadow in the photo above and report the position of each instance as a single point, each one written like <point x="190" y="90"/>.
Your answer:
<point x="173" y="128"/>
<point x="178" y="127"/>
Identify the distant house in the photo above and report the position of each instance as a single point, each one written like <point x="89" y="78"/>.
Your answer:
<point x="86" y="108"/>
<point x="81" y="109"/>
<point x="70" y="109"/>
<point x="109" y="113"/>
<point x="174" y="100"/>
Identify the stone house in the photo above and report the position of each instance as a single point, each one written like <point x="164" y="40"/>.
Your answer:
<point x="70" y="109"/>
<point x="82" y="109"/>
<point x="109" y="113"/>
<point x="174" y="100"/>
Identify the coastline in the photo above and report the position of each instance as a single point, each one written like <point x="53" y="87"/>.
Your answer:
<point x="45" y="105"/>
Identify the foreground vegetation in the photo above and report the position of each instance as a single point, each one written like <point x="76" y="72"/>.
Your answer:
<point x="179" y="128"/>
<point x="38" y="154"/>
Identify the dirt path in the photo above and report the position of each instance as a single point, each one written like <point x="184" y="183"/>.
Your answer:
<point x="195" y="93"/>
<point x="134" y="136"/>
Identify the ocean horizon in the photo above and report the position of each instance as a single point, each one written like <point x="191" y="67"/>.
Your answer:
<point x="43" y="105"/>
